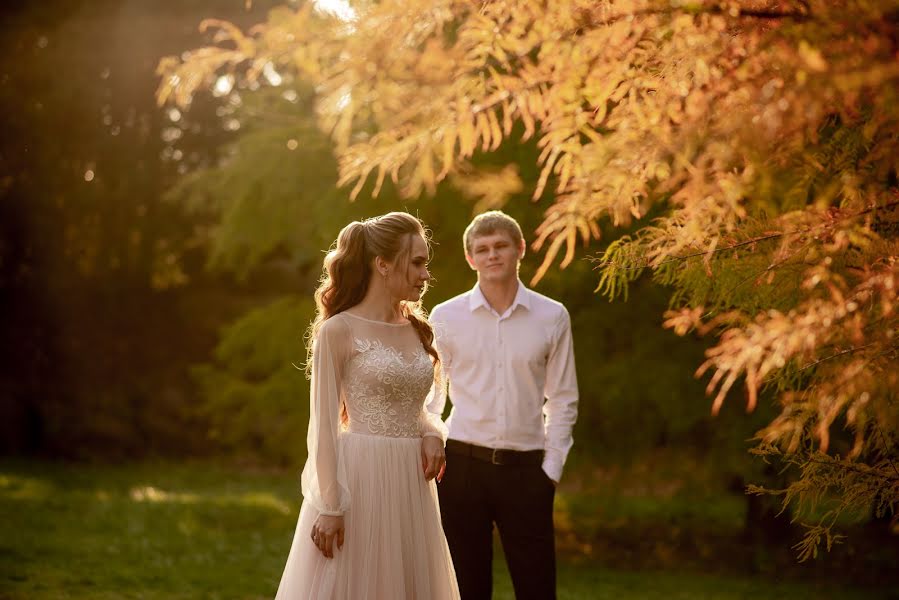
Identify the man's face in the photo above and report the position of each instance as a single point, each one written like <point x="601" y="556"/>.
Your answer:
<point x="495" y="256"/>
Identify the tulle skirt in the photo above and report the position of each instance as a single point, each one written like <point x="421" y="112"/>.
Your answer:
<point x="394" y="546"/>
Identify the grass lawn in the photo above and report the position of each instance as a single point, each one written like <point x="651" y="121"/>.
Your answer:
<point x="172" y="531"/>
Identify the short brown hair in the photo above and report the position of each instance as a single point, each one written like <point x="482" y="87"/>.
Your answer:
<point x="491" y="222"/>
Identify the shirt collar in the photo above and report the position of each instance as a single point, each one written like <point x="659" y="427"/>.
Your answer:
<point x="477" y="299"/>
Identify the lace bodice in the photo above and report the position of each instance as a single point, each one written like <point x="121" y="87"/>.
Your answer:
<point x="382" y="375"/>
<point x="385" y="389"/>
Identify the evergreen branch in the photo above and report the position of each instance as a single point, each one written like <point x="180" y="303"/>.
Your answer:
<point x="499" y="98"/>
<point x="763" y="238"/>
<point x="771" y="15"/>
<point x="799" y="16"/>
<point x="885" y="445"/>
<point x="683" y="257"/>
<point x="871" y="209"/>
<point x="836" y="355"/>
<point x="767" y="269"/>
<point x="869" y="472"/>
<point x="737" y="245"/>
<point x="269" y="116"/>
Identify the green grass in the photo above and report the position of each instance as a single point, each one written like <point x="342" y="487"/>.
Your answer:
<point x="196" y="531"/>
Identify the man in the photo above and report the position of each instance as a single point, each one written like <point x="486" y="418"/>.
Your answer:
<point x="508" y="357"/>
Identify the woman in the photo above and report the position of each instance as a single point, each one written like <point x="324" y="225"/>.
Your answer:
<point x="369" y="527"/>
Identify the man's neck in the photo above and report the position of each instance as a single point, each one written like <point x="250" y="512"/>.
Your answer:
<point x="499" y="294"/>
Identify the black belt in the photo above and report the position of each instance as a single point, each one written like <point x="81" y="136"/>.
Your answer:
<point x="496" y="456"/>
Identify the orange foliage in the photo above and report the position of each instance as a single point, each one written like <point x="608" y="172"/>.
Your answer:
<point x="764" y="135"/>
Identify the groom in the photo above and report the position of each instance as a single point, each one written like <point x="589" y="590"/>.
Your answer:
<point x="508" y="356"/>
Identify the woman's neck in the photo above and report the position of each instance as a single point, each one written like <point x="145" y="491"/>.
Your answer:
<point x="378" y="305"/>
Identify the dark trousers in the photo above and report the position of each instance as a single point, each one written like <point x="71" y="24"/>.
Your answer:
<point x="475" y="494"/>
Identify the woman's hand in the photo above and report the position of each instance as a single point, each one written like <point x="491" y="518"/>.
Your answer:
<point x="433" y="457"/>
<point x="326" y="530"/>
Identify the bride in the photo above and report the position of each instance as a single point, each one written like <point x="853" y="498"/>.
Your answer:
<point x="369" y="527"/>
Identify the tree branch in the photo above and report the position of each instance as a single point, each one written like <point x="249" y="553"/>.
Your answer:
<point x="869" y="472"/>
<point x="763" y="238"/>
<point x="835" y="355"/>
<point x="884" y="441"/>
<point x="799" y="15"/>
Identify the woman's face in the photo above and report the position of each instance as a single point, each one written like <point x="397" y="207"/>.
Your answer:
<point x="408" y="279"/>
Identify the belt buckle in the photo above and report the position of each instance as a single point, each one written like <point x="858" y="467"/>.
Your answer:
<point x="493" y="460"/>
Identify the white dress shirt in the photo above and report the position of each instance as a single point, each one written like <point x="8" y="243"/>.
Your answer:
<point x="511" y="377"/>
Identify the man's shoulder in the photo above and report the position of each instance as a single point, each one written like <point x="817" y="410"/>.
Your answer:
<point x="452" y="306"/>
<point x="547" y="305"/>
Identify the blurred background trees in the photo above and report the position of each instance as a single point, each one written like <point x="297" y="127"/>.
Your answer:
<point x="761" y="137"/>
<point x="157" y="263"/>
<point x="89" y="284"/>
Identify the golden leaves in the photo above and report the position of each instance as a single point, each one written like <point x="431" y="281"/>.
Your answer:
<point x="760" y="149"/>
<point x="826" y="332"/>
<point x="180" y="80"/>
<point x="232" y="50"/>
<point x="227" y="32"/>
<point x="812" y="57"/>
<point x="684" y="320"/>
<point x="490" y="189"/>
<point x="565" y="221"/>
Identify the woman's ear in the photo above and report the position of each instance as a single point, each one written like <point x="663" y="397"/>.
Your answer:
<point x="381" y="266"/>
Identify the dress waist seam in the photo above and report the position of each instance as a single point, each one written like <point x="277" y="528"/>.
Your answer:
<point x="381" y="435"/>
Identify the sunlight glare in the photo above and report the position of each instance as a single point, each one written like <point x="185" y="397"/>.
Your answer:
<point x="343" y="101"/>
<point x="271" y="75"/>
<point x="340" y="9"/>
<point x="18" y="487"/>
<point x="152" y="495"/>
<point x="223" y="85"/>
<point x="170" y="134"/>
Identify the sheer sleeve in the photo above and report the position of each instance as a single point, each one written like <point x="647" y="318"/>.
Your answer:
<point x="324" y="480"/>
<point x="432" y="412"/>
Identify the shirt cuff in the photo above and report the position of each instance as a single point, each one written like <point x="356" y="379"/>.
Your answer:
<point x="552" y="470"/>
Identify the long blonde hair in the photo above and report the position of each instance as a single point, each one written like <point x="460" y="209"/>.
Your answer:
<point x="347" y="271"/>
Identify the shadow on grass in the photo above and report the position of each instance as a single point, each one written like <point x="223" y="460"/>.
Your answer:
<point x="184" y="531"/>
<point x="674" y="513"/>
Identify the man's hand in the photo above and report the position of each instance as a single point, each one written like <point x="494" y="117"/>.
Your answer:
<point x="326" y="530"/>
<point x="433" y="457"/>
<point x="551" y="480"/>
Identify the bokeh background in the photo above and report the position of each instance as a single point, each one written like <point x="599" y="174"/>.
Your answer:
<point x="156" y="278"/>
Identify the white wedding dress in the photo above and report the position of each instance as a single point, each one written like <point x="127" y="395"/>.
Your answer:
<point x="370" y="470"/>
